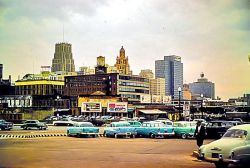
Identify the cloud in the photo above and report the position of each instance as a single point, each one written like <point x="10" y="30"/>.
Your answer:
<point x="210" y="35"/>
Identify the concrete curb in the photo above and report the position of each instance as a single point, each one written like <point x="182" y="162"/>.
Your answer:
<point x="23" y="136"/>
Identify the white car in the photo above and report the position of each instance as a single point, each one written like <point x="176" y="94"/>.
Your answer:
<point x="64" y="122"/>
<point x="232" y="148"/>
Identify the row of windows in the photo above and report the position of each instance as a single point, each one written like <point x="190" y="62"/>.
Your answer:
<point x="133" y="78"/>
<point x="133" y="84"/>
<point x="133" y="90"/>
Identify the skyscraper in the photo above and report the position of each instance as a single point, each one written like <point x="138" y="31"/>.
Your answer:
<point x="171" y="68"/>
<point x="63" y="59"/>
<point x="122" y="64"/>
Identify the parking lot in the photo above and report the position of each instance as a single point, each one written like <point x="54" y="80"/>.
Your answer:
<point x="98" y="152"/>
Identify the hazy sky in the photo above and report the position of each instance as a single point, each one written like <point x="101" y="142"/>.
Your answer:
<point x="211" y="36"/>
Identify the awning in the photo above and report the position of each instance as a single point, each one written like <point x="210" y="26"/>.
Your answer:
<point x="153" y="112"/>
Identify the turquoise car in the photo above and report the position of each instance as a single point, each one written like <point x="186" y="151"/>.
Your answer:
<point x="83" y="129"/>
<point x="184" y="129"/>
<point x="154" y="129"/>
<point x="120" y="129"/>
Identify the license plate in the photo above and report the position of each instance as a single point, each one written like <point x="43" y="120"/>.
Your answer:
<point x="215" y="155"/>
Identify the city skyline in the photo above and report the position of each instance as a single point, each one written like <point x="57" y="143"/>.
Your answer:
<point x="210" y="36"/>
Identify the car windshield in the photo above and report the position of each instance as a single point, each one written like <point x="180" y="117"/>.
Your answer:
<point x="235" y="133"/>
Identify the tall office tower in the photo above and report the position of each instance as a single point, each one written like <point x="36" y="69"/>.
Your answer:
<point x="122" y="64"/>
<point x="63" y="59"/>
<point x="171" y="68"/>
<point x="146" y="73"/>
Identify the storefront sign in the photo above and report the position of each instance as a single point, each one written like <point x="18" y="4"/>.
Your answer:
<point x="91" y="107"/>
<point x="120" y="107"/>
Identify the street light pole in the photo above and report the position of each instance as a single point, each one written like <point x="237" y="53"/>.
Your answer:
<point x="179" y="90"/>
<point x="202" y="106"/>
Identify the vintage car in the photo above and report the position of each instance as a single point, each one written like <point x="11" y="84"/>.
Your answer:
<point x="83" y="129"/>
<point x="64" y="122"/>
<point x="29" y="124"/>
<point x="120" y="129"/>
<point x="216" y="129"/>
<point x="154" y="129"/>
<point x="184" y="129"/>
<point x="5" y="125"/>
<point x="232" y="148"/>
<point x="134" y="123"/>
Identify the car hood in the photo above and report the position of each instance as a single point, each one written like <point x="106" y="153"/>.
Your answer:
<point x="223" y="145"/>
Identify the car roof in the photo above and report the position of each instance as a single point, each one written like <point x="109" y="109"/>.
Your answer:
<point x="83" y="122"/>
<point x="120" y="122"/>
<point x="245" y="127"/>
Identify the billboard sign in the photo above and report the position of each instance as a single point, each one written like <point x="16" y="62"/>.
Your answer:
<point x="186" y="110"/>
<point x="91" y="107"/>
<point x="120" y="107"/>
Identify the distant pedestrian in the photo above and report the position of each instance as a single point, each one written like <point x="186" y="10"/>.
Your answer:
<point x="200" y="133"/>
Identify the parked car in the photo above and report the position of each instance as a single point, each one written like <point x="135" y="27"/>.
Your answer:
<point x="29" y="124"/>
<point x="83" y="129"/>
<point x="4" y="125"/>
<point x="216" y="129"/>
<point x="120" y="129"/>
<point x="134" y="123"/>
<point x="232" y="148"/>
<point x="184" y="129"/>
<point x="64" y="122"/>
<point x="154" y="129"/>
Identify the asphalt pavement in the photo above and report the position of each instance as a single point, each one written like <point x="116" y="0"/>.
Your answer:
<point x="99" y="152"/>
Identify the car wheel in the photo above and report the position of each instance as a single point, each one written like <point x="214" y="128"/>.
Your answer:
<point x="221" y="165"/>
<point x="184" y="136"/>
<point x="55" y="124"/>
<point x="152" y="135"/>
<point x="116" y="136"/>
<point x="78" y="135"/>
<point x="0" y="128"/>
<point x="104" y="134"/>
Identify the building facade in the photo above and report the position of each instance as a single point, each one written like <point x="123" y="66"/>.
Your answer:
<point x="157" y="86"/>
<point x="113" y="84"/>
<point x="146" y="73"/>
<point x="171" y="68"/>
<point x="6" y="87"/>
<point x="203" y="87"/>
<point x="187" y="95"/>
<point x="122" y="64"/>
<point x="105" y="84"/>
<point x="41" y="87"/>
<point x="133" y="87"/>
<point x="63" y="58"/>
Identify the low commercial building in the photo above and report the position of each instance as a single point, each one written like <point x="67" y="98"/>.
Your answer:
<point x="110" y="84"/>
